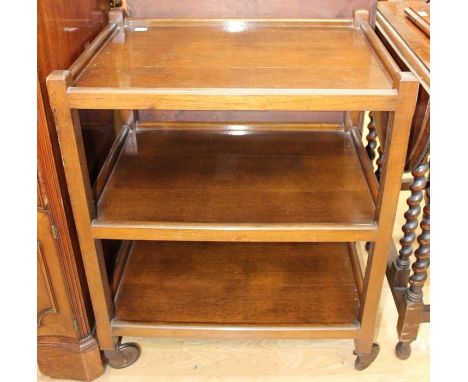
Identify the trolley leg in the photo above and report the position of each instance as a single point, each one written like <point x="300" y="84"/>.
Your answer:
<point x="76" y="172"/>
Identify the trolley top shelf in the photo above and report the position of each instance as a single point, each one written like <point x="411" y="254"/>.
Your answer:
<point x="235" y="64"/>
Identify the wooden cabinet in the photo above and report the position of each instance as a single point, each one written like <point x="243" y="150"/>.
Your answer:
<point x="54" y="315"/>
<point x="66" y="345"/>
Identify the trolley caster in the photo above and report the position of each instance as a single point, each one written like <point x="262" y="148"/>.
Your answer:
<point x="124" y="355"/>
<point x="364" y="360"/>
<point x="403" y="350"/>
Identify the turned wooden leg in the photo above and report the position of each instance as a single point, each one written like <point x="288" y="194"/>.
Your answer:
<point x="401" y="267"/>
<point x="379" y="162"/>
<point x="415" y="291"/>
<point x="371" y="138"/>
<point x="412" y="310"/>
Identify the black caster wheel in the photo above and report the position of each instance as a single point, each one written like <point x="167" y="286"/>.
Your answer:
<point x="363" y="361"/>
<point x="124" y="356"/>
<point x="403" y="350"/>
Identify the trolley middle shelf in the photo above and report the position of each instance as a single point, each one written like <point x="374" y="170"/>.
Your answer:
<point x="235" y="185"/>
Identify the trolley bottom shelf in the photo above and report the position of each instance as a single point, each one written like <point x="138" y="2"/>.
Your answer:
<point x="280" y="290"/>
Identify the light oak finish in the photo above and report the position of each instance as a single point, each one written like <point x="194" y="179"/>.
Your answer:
<point x="315" y="79"/>
<point x="249" y="75"/>
<point x="337" y="13"/>
<point x="200" y="179"/>
<point x="69" y="132"/>
<point x="188" y="359"/>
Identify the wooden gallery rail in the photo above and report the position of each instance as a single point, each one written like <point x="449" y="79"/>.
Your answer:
<point x="403" y="28"/>
<point x="235" y="231"/>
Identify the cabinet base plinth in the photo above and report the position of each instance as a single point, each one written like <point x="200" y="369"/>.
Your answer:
<point x="69" y="358"/>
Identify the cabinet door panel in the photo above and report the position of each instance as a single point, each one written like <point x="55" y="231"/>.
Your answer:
<point x="54" y="316"/>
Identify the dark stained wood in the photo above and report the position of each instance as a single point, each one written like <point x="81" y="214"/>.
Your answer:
<point x="238" y="283"/>
<point x="371" y="137"/>
<point x="234" y="177"/>
<point x="109" y="163"/>
<point x="379" y="161"/>
<point x="410" y="314"/>
<point x="256" y="9"/>
<point x="420" y="131"/>
<point x="417" y="40"/>
<point x="66" y="347"/>
<point x="403" y="261"/>
<point x="415" y="291"/>
<point x="409" y="44"/>
<point x="366" y="164"/>
<point x="273" y="57"/>
<point x="120" y="264"/>
<point x="410" y="47"/>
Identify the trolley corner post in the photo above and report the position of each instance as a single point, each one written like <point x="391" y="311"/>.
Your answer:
<point x="73" y="155"/>
<point x="395" y="148"/>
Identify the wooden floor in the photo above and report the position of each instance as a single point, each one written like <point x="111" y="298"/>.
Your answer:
<point x="269" y="360"/>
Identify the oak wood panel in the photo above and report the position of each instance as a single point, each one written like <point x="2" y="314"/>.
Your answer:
<point x="253" y="57"/>
<point x="218" y="177"/>
<point x="404" y="37"/>
<point x="232" y="99"/>
<point x="64" y="29"/>
<point x="229" y="331"/>
<point x="59" y="255"/>
<point x="410" y="47"/>
<point x="246" y="117"/>
<point x="70" y="358"/>
<point x="55" y="315"/>
<point x="69" y="132"/>
<point x="234" y="283"/>
<point x="394" y="13"/>
<point x="273" y="359"/>
<point x="422" y="22"/>
<point x="389" y="187"/>
<point x="329" y="9"/>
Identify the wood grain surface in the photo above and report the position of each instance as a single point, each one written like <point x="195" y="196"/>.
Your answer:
<point x="236" y="54"/>
<point x="204" y="177"/>
<point x="190" y="360"/>
<point x="247" y="8"/>
<point x="238" y="283"/>
<point x="417" y="40"/>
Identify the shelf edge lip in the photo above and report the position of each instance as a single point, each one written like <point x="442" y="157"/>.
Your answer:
<point x="131" y="328"/>
<point x="232" y="99"/>
<point x="231" y="91"/>
<point x="234" y="232"/>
